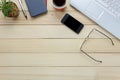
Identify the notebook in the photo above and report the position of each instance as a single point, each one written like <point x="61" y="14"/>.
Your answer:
<point x="36" y="7"/>
<point x="45" y="2"/>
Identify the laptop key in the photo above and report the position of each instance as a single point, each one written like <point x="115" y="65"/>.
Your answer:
<point x="112" y="6"/>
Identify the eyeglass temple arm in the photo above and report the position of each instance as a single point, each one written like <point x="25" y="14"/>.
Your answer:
<point x="88" y="54"/>
<point x="106" y="36"/>
<point x="102" y="34"/>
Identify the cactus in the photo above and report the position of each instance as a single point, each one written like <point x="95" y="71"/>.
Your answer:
<point x="9" y="8"/>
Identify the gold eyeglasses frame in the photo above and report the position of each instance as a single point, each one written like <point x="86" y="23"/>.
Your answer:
<point x="86" y="39"/>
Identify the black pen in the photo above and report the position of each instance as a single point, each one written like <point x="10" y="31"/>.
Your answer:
<point x="23" y="10"/>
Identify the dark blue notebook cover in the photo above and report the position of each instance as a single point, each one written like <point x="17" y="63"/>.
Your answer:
<point x="36" y="7"/>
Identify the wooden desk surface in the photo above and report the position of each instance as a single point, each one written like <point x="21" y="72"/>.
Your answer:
<point x="42" y="48"/>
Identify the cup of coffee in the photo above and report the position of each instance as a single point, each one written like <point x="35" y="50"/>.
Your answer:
<point x="59" y="4"/>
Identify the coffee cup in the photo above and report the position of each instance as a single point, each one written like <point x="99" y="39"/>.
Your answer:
<point x="59" y="4"/>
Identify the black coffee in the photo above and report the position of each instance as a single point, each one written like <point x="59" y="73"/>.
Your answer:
<point x="59" y="2"/>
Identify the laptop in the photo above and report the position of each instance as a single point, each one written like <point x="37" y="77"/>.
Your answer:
<point x="106" y="13"/>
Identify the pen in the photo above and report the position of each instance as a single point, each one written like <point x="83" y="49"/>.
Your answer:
<point x="23" y="10"/>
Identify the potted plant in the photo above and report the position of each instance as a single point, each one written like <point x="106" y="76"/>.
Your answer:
<point x="9" y="8"/>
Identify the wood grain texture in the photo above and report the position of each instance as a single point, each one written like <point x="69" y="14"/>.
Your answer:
<point x="42" y="48"/>
<point x="52" y="17"/>
<point x="48" y="31"/>
<point x="57" y="45"/>
<point x="58" y="60"/>
<point x="57" y="73"/>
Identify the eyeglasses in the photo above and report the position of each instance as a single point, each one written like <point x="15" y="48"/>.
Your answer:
<point x="86" y="39"/>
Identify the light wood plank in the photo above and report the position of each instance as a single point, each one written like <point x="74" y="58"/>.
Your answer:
<point x="44" y="78"/>
<point x="58" y="45"/>
<point x="58" y="73"/>
<point x="58" y="60"/>
<point x="49" y="18"/>
<point x="47" y="31"/>
<point x="51" y="71"/>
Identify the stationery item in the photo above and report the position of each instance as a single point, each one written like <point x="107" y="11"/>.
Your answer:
<point x="36" y="7"/>
<point x="59" y="4"/>
<point x="45" y="2"/>
<point x="23" y="9"/>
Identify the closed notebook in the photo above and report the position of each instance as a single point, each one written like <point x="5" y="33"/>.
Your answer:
<point x="36" y="7"/>
<point x="45" y="1"/>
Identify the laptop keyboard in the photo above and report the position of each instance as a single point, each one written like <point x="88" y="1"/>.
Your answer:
<point x="113" y="6"/>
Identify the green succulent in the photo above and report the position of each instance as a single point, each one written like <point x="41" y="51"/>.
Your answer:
<point x="6" y="7"/>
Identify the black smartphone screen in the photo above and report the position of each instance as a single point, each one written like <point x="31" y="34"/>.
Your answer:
<point x="72" y="23"/>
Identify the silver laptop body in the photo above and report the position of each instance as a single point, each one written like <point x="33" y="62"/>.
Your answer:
<point x="106" y="13"/>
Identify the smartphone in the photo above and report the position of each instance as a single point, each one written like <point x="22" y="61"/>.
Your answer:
<point x="72" y="23"/>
